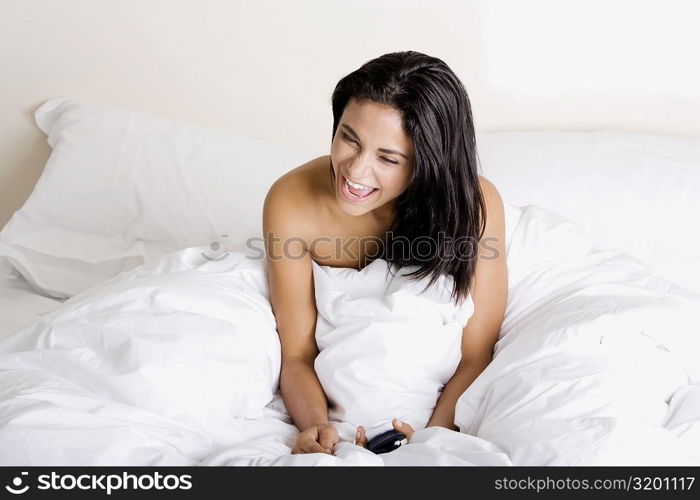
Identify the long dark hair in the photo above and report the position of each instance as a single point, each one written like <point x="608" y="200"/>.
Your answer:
<point x="443" y="201"/>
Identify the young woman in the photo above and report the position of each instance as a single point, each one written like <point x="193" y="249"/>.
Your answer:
<point x="403" y="163"/>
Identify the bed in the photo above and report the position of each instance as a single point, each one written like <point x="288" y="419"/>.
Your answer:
<point x="135" y="328"/>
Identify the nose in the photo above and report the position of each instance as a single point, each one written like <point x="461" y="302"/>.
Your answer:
<point x="361" y="168"/>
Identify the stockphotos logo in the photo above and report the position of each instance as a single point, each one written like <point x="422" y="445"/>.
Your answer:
<point x="17" y="487"/>
<point x="102" y="482"/>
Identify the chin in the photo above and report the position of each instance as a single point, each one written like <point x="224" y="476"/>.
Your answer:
<point x="353" y="210"/>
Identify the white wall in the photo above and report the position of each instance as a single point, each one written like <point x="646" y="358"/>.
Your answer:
<point x="267" y="68"/>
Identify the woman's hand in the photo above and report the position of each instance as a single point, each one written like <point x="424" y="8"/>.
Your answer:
<point x="402" y="427"/>
<point x="316" y="439"/>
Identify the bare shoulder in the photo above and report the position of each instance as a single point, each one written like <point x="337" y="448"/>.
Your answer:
<point x="490" y="191"/>
<point x="294" y="182"/>
<point x="492" y="197"/>
<point x="495" y="212"/>
<point x="290" y="202"/>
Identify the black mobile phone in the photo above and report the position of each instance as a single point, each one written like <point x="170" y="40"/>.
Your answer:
<point x="386" y="441"/>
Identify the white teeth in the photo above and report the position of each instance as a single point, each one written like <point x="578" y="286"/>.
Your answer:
<point x="357" y="186"/>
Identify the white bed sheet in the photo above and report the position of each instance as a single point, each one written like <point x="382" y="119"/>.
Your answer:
<point x="20" y="304"/>
<point x="173" y="364"/>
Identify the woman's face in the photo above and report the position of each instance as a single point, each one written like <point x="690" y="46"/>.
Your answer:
<point x="372" y="157"/>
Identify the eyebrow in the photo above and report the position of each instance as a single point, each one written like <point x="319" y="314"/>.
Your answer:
<point x="383" y="150"/>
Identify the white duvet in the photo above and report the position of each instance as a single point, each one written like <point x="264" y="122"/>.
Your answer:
<point x="177" y="363"/>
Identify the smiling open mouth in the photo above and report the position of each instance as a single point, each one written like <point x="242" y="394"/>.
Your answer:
<point x="355" y="192"/>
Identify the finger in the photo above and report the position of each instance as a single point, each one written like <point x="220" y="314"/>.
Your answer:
<point x="358" y="436"/>
<point x="328" y="437"/>
<point x="312" y="446"/>
<point x="403" y="428"/>
<point x="306" y="443"/>
<point x="298" y="449"/>
<point x="361" y="437"/>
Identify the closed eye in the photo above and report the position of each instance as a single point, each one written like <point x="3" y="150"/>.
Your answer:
<point x="347" y="137"/>
<point x="353" y="141"/>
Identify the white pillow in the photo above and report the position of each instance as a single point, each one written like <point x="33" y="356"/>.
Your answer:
<point x="124" y="187"/>
<point x="630" y="191"/>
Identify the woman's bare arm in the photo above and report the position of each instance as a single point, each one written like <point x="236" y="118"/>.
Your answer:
<point x="489" y="293"/>
<point x="293" y="303"/>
